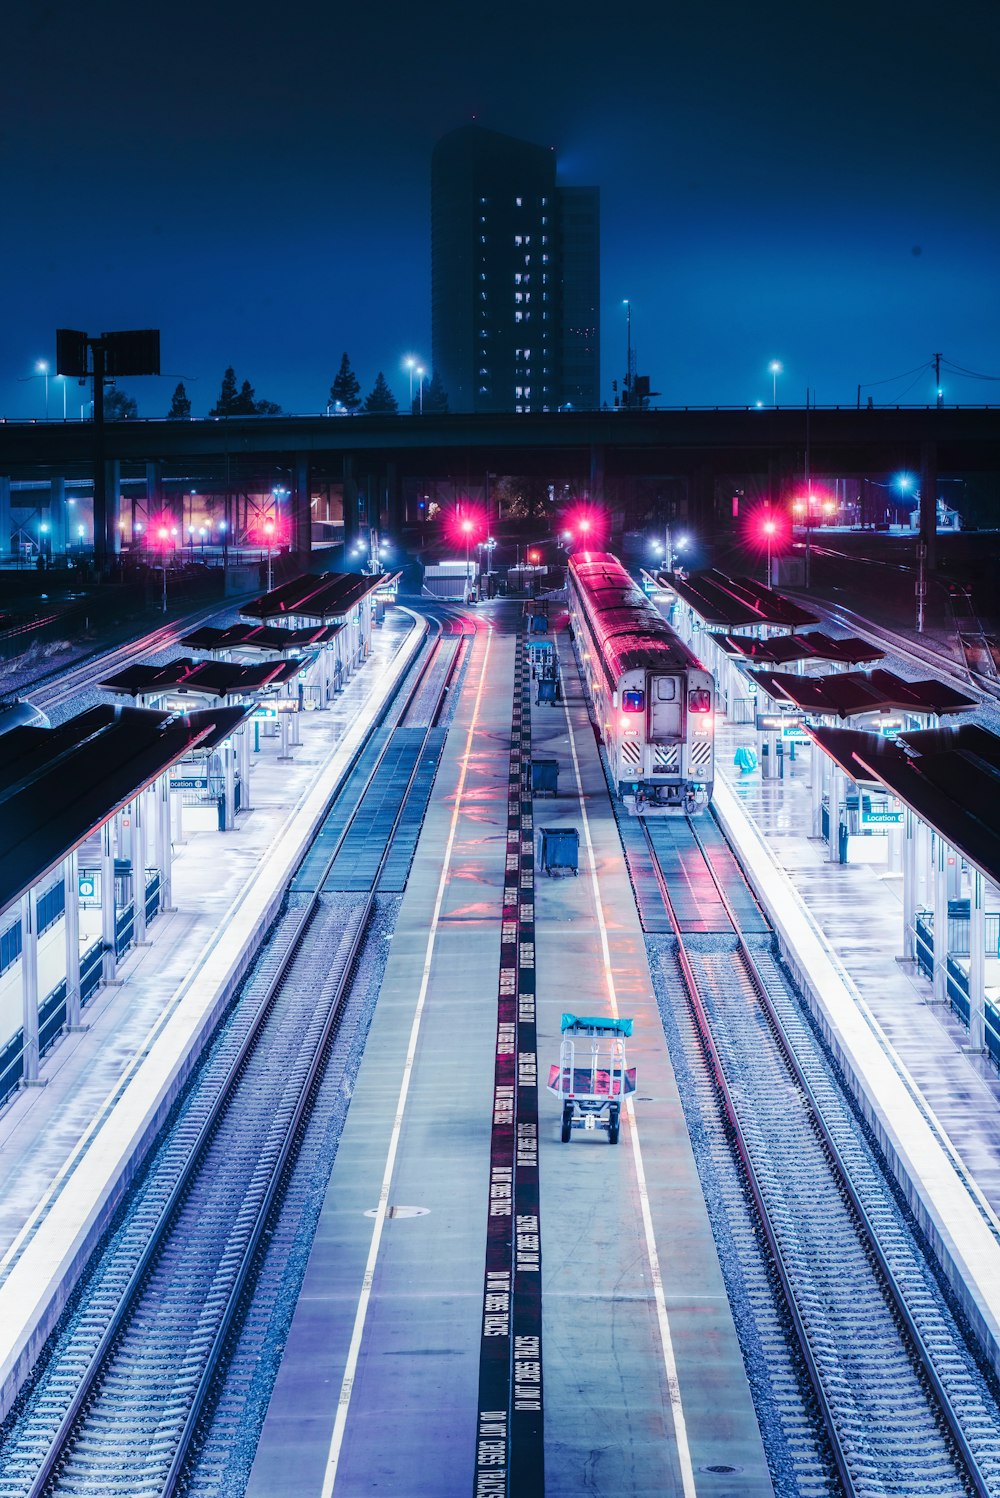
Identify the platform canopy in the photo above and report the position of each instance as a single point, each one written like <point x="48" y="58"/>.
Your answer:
<point x="735" y="603"/>
<point x="950" y="777"/>
<point x="781" y="650"/>
<point x="204" y="678"/>
<point x="265" y="638"/>
<point x="316" y="595"/>
<point x="59" y="785"/>
<point x="855" y="692"/>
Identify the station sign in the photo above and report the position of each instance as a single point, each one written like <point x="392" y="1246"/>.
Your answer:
<point x="189" y="783"/>
<point x="265" y="712"/>
<point x="778" y="722"/>
<point x="87" y="886"/>
<point x="882" y="816"/>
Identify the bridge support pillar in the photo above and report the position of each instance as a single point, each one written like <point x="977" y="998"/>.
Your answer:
<point x="350" y="503"/>
<point x="301" y="537"/>
<point x="597" y="467"/>
<point x="393" y="501"/>
<point x="113" y="508"/>
<point x="58" y="517"/>
<point x="4" y="516"/>
<point x="928" y="502"/>
<point x="154" y="492"/>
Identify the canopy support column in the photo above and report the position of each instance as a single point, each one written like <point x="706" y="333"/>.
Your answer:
<point x="909" y="885"/>
<point x="29" y="987"/>
<point x="977" y="963"/>
<point x="71" y="891"/>
<point x="109" y="960"/>
<point x="940" y="920"/>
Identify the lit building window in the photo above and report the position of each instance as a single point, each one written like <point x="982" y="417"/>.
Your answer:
<point x="517" y="278"/>
<point x="519" y="202"/>
<point x="518" y="316"/>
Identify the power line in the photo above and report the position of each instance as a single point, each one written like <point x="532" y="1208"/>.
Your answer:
<point x="920" y="368"/>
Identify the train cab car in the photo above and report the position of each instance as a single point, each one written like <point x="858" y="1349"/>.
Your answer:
<point x="653" y="701"/>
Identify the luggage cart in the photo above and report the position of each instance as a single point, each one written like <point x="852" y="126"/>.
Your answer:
<point x="592" y="1086"/>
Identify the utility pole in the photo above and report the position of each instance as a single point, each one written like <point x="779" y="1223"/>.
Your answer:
<point x="628" y="389"/>
<point x="808" y="503"/>
<point x="937" y="379"/>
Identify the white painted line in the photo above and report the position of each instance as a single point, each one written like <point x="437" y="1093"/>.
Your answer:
<point x="663" y="1321"/>
<point x="361" y="1315"/>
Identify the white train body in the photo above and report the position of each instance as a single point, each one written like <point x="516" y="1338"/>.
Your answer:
<point x="653" y="700"/>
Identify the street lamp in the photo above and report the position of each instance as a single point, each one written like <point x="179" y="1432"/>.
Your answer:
<point x="269" y="533"/>
<point x="410" y="364"/>
<point x="62" y="381"/>
<point x="769" y="530"/>
<point x="164" y="534"/>
<point x="43" y="369"/>
<point x="776" y="369"/>
<point x="467" y="529"/>
<point x="628" y="351"/>
<point x="420" y="371"/>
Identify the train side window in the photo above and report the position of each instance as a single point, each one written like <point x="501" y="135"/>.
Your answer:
<point x="699" y="700"/>
<point x="666" y="689"/>
<point x="633" y="702"/>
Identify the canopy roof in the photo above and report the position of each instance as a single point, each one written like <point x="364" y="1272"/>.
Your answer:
<point x="855" y="692"/>
<point x="736" y="603"/>
<point x="316" y="595"/>
<point x="59" y="785"/>
<point x="206" y="678"/>
<point x="950" y="777"/>
<point x="781" y="650"/>
<point x="267" y="638"/>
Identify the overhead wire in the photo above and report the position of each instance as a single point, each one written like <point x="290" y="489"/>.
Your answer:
<point x="892" y="380"/>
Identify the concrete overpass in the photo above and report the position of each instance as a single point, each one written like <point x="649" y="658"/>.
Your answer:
<point x="369" y="458"/>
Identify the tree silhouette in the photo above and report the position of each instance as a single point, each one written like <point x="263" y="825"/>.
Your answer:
<point x="227" y="395"/>
<point x="381" y="401"/>
<point x="345" y="389"/>
<point x="242" y="403"/>
<point x="180" y="406"/>
<point x="436" y="397"/>
<point x="118" y="406"/>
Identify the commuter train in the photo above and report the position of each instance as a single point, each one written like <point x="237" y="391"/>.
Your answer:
<point x="653" y="700"/>
<point x="19" y="714"/>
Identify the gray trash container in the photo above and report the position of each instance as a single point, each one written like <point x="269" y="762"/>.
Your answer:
<point x="558" y="850"/>
<point x="545" y="777"/>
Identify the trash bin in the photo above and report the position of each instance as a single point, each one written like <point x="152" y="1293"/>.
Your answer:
<point x="539" y="624"/>
<point x="545" y="777"/>
<point x="558" y="850"/>
<point x="548" y="690"/>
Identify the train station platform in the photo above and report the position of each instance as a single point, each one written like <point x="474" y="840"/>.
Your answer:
<point x="65" y="1146"/>
<point x="644" y="1385"/>
<point x="934" y="1104"/>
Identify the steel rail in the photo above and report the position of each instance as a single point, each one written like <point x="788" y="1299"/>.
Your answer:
<point x="753" y="1182"/>
<point x="209" y="1126"/>
<point x="920" y="1356"/>
<point x="216" y="1353"/>
<point x="920" y="1353"/>
<point x="923" y="657"/>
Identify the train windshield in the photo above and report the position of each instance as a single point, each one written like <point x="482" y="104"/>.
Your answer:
<point x="633" y="702"/>
<point x="699" y="700"/>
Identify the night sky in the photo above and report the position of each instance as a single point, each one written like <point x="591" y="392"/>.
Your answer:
<point x="813" y="184"/>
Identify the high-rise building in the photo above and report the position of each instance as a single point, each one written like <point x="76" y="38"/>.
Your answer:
<point x="515" y="277"/>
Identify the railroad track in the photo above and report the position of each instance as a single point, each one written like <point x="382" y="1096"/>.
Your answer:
<point x="923" y="657"/>
<point x="125" y="1393"/>
<point x="53" y="688"/>
<point x="904" y="1407"/>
